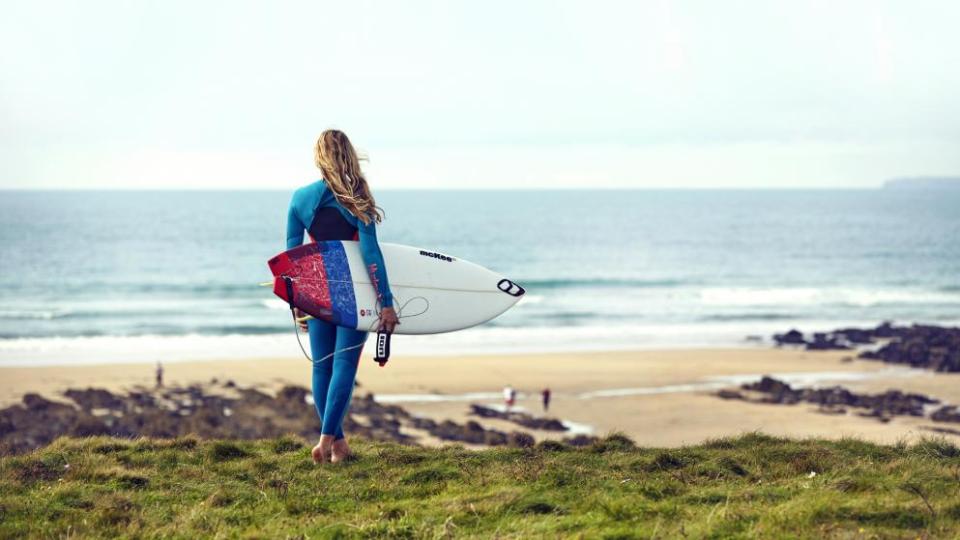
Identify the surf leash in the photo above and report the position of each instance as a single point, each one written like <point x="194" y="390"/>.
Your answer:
<point x="296" y="332"/>
<point x="383" y="338"/>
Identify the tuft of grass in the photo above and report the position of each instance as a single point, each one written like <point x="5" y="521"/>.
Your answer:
<point x="549" y="445"/>
<point x="748" y="486"/>
<point x="936" y="448"/>
<point x="615" y="442"/>
<point x="223" y="451"/>
<point x="665" y="461"/>
<point x="287" y="444"/>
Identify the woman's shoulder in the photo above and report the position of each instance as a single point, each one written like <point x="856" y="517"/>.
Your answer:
<point x="318" y="186"/>
<point x="313" y="191"/>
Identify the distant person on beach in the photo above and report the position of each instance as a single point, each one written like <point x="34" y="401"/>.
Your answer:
<point x="339" y="206"/>
<point x="546" y="399"/>
<point x="159" y="375"/>
<point x="509" y="397"/>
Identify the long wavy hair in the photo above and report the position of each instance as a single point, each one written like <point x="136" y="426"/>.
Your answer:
<point x="340" y="165"/>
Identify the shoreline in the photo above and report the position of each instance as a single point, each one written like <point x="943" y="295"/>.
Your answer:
<point x="148" y="349"/>
<point x="427" y="374"/>
<point x="657" y="397"/>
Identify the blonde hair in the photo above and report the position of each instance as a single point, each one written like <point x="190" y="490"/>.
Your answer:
<point x="338" y="161"/>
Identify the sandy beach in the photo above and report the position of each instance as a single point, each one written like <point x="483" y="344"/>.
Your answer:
<point x="659" y="398"/>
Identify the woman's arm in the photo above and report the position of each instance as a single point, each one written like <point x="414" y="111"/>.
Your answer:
<point x="373" y="258"/>
<point x="295" y="226"/>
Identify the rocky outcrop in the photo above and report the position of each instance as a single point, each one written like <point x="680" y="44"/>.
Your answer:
<point x="891" y="402"/>
<point x="922" y="346"/>
<point x="820" y="342"/>
<point x="523" y="419"/>
<point x="793" y="337"/>
<point x="836" y="399"/>
<point x="947" y="413"/>
<point x="931" y="347"/>
<point x="205" y="411"/>
<point x="217" y="411"/>
<point x="471" y="433"/>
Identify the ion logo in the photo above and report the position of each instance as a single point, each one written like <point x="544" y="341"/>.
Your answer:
<point x="436" y="256"/>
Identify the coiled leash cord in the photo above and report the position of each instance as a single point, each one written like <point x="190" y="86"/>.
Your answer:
<point x="296" y="331"/>
<point x="383" y="338"/>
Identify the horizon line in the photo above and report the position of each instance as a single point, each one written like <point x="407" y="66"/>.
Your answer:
<point x="455" y="189"/>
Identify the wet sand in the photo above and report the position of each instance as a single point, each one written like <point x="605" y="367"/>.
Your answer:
<point x="660" y="397"/>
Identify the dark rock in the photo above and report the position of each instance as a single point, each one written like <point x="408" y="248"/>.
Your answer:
<point x="836" y="398"/>
<point x="923" y="346"/>
<point x="495" y="438"/>
<point x="581" y="440"/>
<point x="825" y="342"/>
<point x="424" y="423"/>
<point x="793" y="337"/>
<point x="36" y="402"/>
<point x="947" y="413"/>
<point x="295" y="395"/>
<point x="94" y="398"/>
<point x="885" y="330"/>
<point x="729" y="394"/>
<point x="519" y="439"/>
<point x="89" y="426"/>
<point x="856" y="336"/>
<point x="523" y="419"/>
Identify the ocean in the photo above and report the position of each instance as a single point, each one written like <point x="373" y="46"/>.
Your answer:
<point x="113" y="276"/>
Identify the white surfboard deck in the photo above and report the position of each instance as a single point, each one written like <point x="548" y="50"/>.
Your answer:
<point x="432" y="292"/>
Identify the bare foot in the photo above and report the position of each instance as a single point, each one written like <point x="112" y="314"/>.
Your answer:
<point x="322" y="451"/>
<point x="340" y="451"/>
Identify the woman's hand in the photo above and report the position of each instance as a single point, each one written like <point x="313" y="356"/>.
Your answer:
<point x="301" y="322"/>
<point x="388" y="320"/>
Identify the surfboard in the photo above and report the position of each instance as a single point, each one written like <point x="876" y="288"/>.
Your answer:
<point x="432" y="292"/>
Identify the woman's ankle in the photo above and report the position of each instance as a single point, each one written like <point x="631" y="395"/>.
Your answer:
<point x="340" y="450"/>
<point x="326" y="440"/>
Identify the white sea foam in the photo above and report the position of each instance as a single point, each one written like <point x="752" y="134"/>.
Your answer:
<point x="26" y="314"/>
<point x="133" y="349"/>
<point x="480" y="340"/>
<point x="814" y="296"/>
<point x="274" y="303"/>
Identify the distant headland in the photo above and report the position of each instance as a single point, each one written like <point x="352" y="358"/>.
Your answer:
<point x="923" y="182"/>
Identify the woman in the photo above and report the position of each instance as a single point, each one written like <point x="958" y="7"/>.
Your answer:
<point x="338" y="207"/>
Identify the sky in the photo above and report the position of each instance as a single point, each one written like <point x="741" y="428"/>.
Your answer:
<point x="494" y="94"/>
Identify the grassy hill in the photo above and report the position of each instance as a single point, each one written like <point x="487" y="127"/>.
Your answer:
<point x="752" y="485"/>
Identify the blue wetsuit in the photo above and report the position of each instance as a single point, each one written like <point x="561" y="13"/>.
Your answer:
<point x="315" y="209"/>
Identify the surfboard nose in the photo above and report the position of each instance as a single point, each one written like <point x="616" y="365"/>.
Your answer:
<point x="511" y="288"/>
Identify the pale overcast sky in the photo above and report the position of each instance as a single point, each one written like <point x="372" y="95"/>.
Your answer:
<point x="493" y="94"/>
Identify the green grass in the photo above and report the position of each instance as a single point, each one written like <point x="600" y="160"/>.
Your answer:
<point x="749" y="486"/>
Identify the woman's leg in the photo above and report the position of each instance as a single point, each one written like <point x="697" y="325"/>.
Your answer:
<point x="323" y="340"/>
<point x="349" y="344"/>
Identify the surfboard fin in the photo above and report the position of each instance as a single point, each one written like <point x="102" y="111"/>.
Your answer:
<point x="383" y="348"/>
